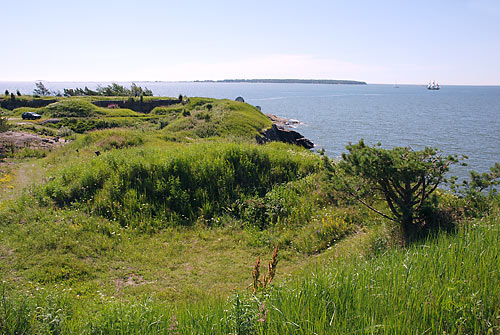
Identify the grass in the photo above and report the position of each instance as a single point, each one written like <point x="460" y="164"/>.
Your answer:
<point x="160" y="231"/>
<point x="154" y="188"/>
<point x="445" y="285"/>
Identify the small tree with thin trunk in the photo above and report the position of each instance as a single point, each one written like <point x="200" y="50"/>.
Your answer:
<point x="403" y="177"/>
<point x="41" y="89"/>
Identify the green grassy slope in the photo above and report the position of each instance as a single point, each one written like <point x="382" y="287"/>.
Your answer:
<point x="160" y="231"/>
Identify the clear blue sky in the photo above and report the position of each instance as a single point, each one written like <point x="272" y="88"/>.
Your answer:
<point x="452" y="41"/>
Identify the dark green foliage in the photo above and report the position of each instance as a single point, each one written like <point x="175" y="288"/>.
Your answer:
<point x="70" y="92"/>
<point x="82" y="125"/>
<point x="164" y="187"/>
<point x="119" y="90"/>
<point x="4" y="125"/>
<point x="479" y="191"/>
<point x="12" y="97"/>
<point x="6" y="92"/>
<point x="162" y="110"/>
<point x="403" y="177"/>
<point x="41" y="89"/>
<point x="110" y="90"/>
<point x="203" y="116"/>
<point x="18" y="93"/>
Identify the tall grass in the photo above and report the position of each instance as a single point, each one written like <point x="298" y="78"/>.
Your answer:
<point x="449" y="285"/>
<point x="176" y="184"/>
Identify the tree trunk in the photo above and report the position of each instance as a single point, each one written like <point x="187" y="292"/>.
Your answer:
<point x="409" y="228"/>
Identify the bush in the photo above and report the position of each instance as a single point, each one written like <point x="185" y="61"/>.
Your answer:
<point x="80" y="126"/>
<point x="403" y="177"/>
<point x="4" y="125"/>
<point x="64" y="132"/>
<point x="162" y="110"/>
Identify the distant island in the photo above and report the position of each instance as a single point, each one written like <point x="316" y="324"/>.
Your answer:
<point x="286" y="81"/>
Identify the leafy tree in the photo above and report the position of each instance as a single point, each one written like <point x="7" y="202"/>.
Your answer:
<point x="405" y="178"/>
<point x="40" y="89"/>
<point x="7" y="92"/>
<point x="113" y="90"/>
<point x="18" y="93"/>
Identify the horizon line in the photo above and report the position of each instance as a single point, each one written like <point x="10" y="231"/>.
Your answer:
<point x="227" y="81"/>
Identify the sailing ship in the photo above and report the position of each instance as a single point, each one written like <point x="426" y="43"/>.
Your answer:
<point x="433" y="86"/>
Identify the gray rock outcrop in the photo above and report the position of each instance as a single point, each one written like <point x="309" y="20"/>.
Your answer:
<point x="277" y="133"/>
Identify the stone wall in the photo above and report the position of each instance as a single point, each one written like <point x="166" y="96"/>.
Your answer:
<point x="11" y="104"/>
<point x="136" y="105"/>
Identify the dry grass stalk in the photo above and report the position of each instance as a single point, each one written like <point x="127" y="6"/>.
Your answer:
<point x="268" y="277"/>
<point x="255" y="275"/>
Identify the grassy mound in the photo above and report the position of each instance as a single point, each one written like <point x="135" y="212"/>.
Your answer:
<point x="72" y="108"/>
<point x="205" y="117"/>
<point x="175" y="185"/>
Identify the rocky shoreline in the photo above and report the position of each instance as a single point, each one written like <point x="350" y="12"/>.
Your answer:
<point x="278" y="132"/>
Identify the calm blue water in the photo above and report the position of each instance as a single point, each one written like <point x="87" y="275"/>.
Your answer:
<point x="456" y="119"/>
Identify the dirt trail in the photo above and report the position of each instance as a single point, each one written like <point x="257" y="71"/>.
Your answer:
<point x="21" y="175"/>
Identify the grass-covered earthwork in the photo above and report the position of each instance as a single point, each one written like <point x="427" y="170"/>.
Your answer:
<point x="116" y="221"/>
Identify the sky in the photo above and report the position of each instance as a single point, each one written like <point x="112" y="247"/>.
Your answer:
<point x="456" y="42"/>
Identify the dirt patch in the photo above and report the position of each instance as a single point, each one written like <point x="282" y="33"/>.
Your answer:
<point x="17" y="140"/>
<point x="129" y="280"/>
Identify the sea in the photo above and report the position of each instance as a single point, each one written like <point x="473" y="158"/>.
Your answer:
<point x="458" y="120"/>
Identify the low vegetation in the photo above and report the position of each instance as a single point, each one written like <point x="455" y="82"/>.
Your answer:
<point x="177" y="222"/>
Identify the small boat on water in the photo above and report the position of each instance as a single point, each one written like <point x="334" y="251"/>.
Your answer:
<point x="433" y="86"/>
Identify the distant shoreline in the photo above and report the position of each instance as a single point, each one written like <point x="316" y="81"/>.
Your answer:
<point x="286" y="81"/>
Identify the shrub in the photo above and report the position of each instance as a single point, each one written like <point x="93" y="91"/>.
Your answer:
<point x="64" y="132"/>
<point x="163" y="110"/>
<point x="29" y="152"/>
<point x="404" y="178"/>
<point x="81" y="125"/>
<point x="4" y="125"/>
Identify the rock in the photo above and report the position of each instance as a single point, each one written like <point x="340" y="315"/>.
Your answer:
<point x="280" y="134"/>
<point x="52" y="121"/>
<point x="239" y="99"/>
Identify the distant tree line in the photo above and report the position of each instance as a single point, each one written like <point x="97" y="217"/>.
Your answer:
<point x="290" y="81"/>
